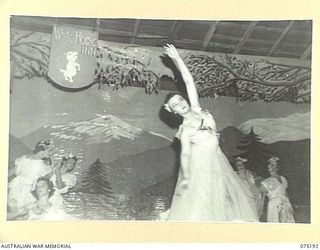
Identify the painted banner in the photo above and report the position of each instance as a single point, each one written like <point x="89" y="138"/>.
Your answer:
<point x="248" y="78"/>
<point x="72" y="60"/>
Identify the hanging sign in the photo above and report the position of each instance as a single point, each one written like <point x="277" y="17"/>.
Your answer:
<point x="72" y="60"/>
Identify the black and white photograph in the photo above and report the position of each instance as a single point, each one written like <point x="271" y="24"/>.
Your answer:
<point x="165" y="120"/>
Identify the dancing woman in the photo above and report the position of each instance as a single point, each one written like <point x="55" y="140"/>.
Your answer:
<point x="207" y="188"/>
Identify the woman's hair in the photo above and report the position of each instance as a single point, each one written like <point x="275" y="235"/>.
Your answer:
<point x="47" y="160"/>
<point x="50" y="187"/>
<point x="66" y="158"/>
<point x="279" y="163"/>
<point x="172" y="94"/>
<point x="42" y="146"/>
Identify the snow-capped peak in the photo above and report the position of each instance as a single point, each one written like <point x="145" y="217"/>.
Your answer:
<point x="100" y="129"/>
<point x="291" y="128"/>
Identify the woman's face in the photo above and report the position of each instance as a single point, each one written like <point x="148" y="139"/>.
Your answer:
<point x="240" y="165"/>
<point x="69" y="165"/>
<point x="45" y="153"/>
<point x="42" y="188"/>
<point x="179" y="105"/>
<point x="273" y="167"/>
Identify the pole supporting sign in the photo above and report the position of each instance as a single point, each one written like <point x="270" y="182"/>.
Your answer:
<point x="72" y="60"/>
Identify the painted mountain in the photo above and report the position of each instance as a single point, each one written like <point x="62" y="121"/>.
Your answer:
<point x="294" y="127"/>
<point x="105" y="137"/>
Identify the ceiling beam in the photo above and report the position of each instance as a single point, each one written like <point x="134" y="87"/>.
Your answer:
<point x="135" y="30"/>
<point x="98" y="25"/>
<point x="176" y="26"/>
<point x="262" y="52"/>
<point x="103" y="32"/>
<point x="306" y="53"/>
<point x="260" y="41"/>
<point x="209" y="35"/>
<point x="275" y="45"/>
<point x="198" y="43"/>
<point x="46" y="27"/>
<point x="225" y="24"/>
<point x="244" y="38"/>
<point x="256" y="51"/>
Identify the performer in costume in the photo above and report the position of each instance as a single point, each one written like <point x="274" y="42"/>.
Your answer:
<point x="63" y="178"/>
<point x="248" y="179"/>
<point x="207" y="189"/>
<point x="44" y="207"/>
<point x="279" y="206"/>
<point x="28" y="169"/>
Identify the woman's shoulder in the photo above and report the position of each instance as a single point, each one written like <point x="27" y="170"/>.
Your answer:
<point x="204" y="114"/>
<point x="200" y="111"/>
<point x="29" y="157"/>
<point x="22" y="158"/>
<point x="284" y="180"/>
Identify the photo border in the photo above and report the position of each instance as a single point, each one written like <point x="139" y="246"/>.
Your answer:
<point x="143" y="231"/>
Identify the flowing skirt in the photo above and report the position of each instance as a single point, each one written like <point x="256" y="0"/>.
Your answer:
<point x="214" y="191"/>
<point x="280" y="210"/>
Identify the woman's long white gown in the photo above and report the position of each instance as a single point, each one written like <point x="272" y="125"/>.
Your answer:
<point x="214" y="191"/>
<point x="279" y="206"/>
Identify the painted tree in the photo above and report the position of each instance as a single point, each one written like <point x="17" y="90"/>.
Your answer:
<point x="95" y="180"/>
<point x="95" y="193"/>
<point x="249" y="80"/>
<point x="29" y="53"/>
<point x="256" y="152"/>
<point x="117" y="69"/>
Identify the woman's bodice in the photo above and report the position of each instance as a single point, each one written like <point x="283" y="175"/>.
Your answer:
<point x="201" y="128"/>
<point x="276" y="188"/>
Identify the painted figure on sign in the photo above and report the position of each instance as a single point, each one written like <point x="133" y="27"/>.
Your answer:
<point x="72" y="66"/>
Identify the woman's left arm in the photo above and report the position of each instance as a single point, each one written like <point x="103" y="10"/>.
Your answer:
<point x="172" y="52"/>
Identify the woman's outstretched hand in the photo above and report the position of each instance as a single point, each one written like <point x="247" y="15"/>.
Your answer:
<point x="171" y="51"/>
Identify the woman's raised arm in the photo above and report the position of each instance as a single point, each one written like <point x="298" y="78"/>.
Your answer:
<point x="59" y="183"/>
<point x="186" y="75"/>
